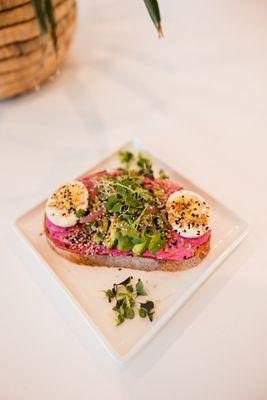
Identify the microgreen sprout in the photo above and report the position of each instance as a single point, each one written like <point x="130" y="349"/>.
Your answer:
<point x="80" y="213"/>
<point x="132" y="203"/>
<point x="125" y="295"/>
<point x="162" y="174"/>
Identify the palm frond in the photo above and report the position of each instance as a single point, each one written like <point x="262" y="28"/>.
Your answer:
<point x="40" y="15"/>
<point x="46" y="19"/>
<point x="153" y="9"/>
<point x="52" y="21"/>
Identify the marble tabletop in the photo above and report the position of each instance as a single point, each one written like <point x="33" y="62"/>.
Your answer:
<point x="198" y="98"/>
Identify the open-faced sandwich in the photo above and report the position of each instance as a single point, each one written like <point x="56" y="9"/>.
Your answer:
<point x="128" y="218"/>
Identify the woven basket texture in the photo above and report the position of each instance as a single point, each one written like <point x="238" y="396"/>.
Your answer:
<point x="26" y="58"/>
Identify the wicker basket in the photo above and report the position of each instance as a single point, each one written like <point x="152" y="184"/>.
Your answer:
<point x="26" y="59"/>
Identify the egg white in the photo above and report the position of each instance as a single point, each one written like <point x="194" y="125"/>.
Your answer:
<point x="188" y="213"/>
<point x="63" y="204"/>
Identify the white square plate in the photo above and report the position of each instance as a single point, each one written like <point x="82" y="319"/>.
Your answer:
<point x="169" y="290"/>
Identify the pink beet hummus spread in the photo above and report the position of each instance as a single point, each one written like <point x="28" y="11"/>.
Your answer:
<point x="177" y="248"/>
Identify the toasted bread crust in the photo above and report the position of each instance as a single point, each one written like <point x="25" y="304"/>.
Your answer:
<point x="133" y="262"/>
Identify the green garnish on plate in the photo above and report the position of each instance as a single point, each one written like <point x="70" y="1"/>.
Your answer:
<point x="125" y="295"/>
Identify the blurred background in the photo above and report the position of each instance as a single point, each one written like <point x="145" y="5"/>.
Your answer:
<point x="199" y="94"/>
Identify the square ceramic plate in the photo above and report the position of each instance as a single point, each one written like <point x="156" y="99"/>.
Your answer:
<point x="169" y="290"/>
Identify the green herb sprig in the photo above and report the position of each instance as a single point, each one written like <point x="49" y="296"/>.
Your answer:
<point x="132" y="220"/>
<point x="146" y="310"/>
<point x="125" y="294"/>
<point x="142" y="164"/>
<point x="162" y="174"/>
<point x="127" y="202"/>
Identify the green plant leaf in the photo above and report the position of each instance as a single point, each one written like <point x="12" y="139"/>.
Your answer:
<point x="119" y="303"/>
<point x="162" y="174"/>
<point x="129" y="313"/>
<point x="112" y="200"/>
<point x="125" y="158"/>
<point x="45" y="16"/>
<point x="145" y="166"/>
<point x="129" y="288"/>
<point x="52" y="22"/>
<point x="121" y="310"/>
<point x="140" y="290"/>
<point x="150" y="316"/>
<point x="40" y="15"/>
<point x="149" y="305"/>
<point x="44" y="12"/>
<point x="80" y="213"/>
<point x="125" y="306"/>
<point x="142" y="312"/>
<point x="110" y="294"/>
<point x="119" y="320"/>
<point x="125" y="282"/>
<point x="153" y="9"/>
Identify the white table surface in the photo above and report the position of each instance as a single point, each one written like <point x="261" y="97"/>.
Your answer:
<point x="199" y="97"/>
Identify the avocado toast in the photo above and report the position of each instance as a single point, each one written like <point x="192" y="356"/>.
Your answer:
<point x="128" y="218"/>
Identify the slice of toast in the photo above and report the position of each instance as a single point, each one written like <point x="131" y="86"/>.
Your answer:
<point x="133" y="262"/>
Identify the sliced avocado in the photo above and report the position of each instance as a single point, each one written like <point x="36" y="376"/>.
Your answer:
<point x="139" y="248"/>
<point x="135" y="236"/>
<point x="156" y="243"/>
<point x="112" y="238"/>
<point x="124" y="243"/>
<point x="98" y="238"/>
<point x="105" y="224"/>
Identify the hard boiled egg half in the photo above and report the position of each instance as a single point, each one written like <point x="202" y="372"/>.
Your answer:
<point x="188" y="213"/>
<point x="65" y="201"/>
